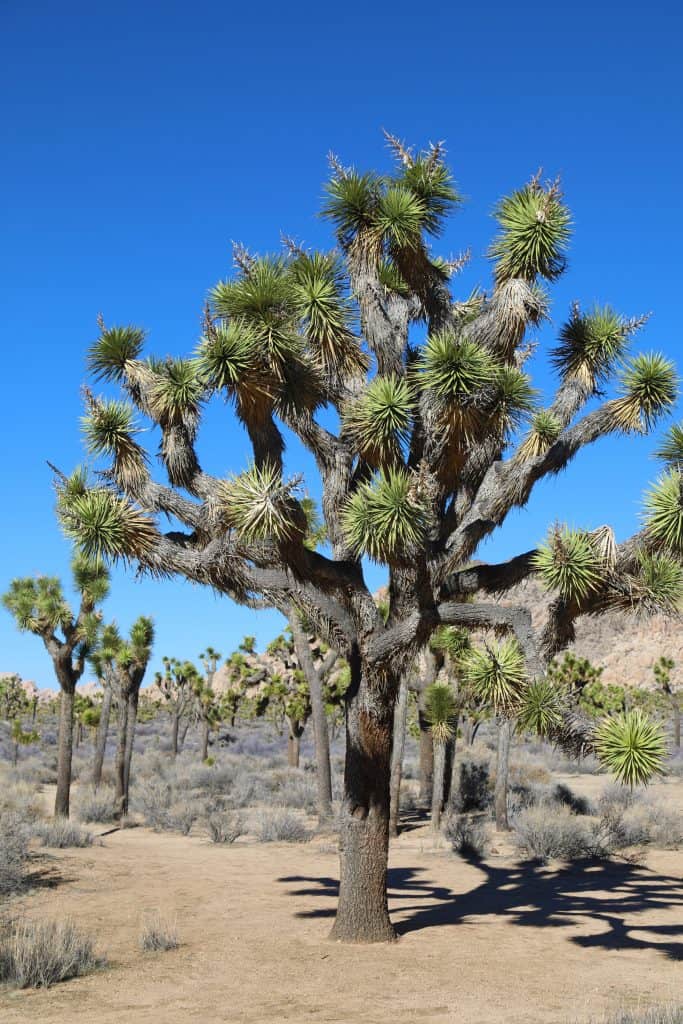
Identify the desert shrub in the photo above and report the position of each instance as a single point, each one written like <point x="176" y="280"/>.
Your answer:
<point x="61" y="833"/>
<point x="158" y="935"/>
<point x="153" y="798"/>
<point x="180" y="817"/>
<point x="214" y="779"/>
<point x="670" y="1014"/>
<point x="19" y="796"/>
<point x="546" y="832"/>
<point x="225" y="826"/>
<point x="527" y="770"/>
<point x="562" y="794"/>
<point x="37" y="954"/>
<point x="280" y="825"/>
<point x="631" y="818"/>
<point x="95" y="805"/>
<point x="14" y="837"/>
<point x="467" y="835"/>
<point x="297" y="791"/>
<point x="249" y="790"/>
<point x="474" y="790"/>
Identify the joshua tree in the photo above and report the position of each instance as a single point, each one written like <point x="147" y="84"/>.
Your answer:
<point x="208" y="707"/>
<point x="436" y="444"/>
<point x="177" y="688"/>
<point x="131" y="660"/>
<point x="442" y="715"/>
<point x="39" y="606"/>
<point x="14" y="701"/>
<point x="662" y="670"/>
<point x="102" y="663"/>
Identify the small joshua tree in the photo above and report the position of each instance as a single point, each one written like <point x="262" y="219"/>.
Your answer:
<point x="436" y="444"/>
<point x="662" y="670"/>
<point x="131" y="660"/>
<point x="39" y="606"/>
<point x="176" y="685"/>
<point x="208" y="706"/>
<point x="102" y="660"/>
<point x="442" y="715"/>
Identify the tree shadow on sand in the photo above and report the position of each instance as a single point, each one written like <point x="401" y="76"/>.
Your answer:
<point x="609" y="893"/>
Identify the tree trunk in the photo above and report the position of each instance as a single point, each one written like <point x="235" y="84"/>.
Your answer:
<point x="363" y="912"/>
<point x="101" y="740"/>
<point x="293" y="746"/>
<point x="400" y="717"/>
<point x="183" y="733"/>
<point x="120" y="759"/>
<point x="505" y="730"/>
<point x="205" y="739"/>
<point x="131" y="722"/>
<point x="426" y="755"/>
<point x="437" y="789"/>
<point x="174" y="735"/>
<point x="676" y="708"/>
<point x="321" y="734"/>
<point x="65" y="752"/>
<point x="450" y="775"/>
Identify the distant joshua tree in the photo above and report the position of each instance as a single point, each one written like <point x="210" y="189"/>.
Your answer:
<point x="177" y="687"/>
<point x="131" y="660"/>
<point x="39" y="606"/>
<point x="662" y="670"/>
<point x="437" y="442"/>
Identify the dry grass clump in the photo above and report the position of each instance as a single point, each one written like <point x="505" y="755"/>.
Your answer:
<point x="279" y="825"/>
<point x="38" y="954"/>
<point x="468" y="835"/>
<point x="553" y="833"/>
<point x="14" y="837"/>
<point x="158" y="935"/>
<point x="667" y="1014"/>
<point x="61" y="833"/>
<point x="225" y="826"/>
<point x="96" y="805"/>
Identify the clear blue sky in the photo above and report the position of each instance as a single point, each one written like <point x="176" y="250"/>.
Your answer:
<point x="141" y="138"/>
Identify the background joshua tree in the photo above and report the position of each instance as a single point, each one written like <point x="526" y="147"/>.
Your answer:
<point x="176" y="686"/>
<point x="131" y="660"/>
<point x="14" y="704"/>
<point x="102" y="663"/>
<point x="662" y="670"/>
<point x="39" y="606"/>
<point x="208" y="707"/>
<point x="442" y="715"/>
<point x="436" y="444"/>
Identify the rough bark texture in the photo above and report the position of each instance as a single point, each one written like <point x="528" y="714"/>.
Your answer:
<point x="174" y="735"/>
<point x="321" y="734"/>
<point x="131" y="723"/>
<point x="293" y="748"/>
<point x="363" y="912"/>
<point x="398" y="747"/>
<point x="101" y="737"/>
<point x="205" y="740"/>
<point x="505" y="730"/>
<point x="438" y="787"/>
<point x="120" y="757"/>
<point x="65" y="751"/>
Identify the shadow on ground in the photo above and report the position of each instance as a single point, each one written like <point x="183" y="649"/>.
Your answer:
<point x="605" y="892"/>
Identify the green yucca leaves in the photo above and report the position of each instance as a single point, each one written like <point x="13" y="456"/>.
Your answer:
<point x="670" y="450"/>
<point x="441" y="711"/>
<point x="91" y="577"/>
<point x="631" y="746"/>
<point x="379" y="421"/>
<point x="649" y="388"/>
<point x="108" y="428"/>
<point x="37" y="604"/>
<point x="535" y="228"/>
<point x="105" y="525"/>
<point x="431" y="182"/>
<point x="390" y="278"/>
<point x="176" y="392"/>
<point x="569" y="563"/>
<point x="496" y="673"/>
<point x="515" y="397"/>
<point x="227" y="355"/>
<point x="115" y="347"/>
<point x="664" y="511"/>
<point x="454" y="368"/>
<point x="399" y="217"/>
<point x="351" y="203"/>
<point x="321" y="303"/>
<point x="540" y="706"/>
<point x="451" y="641"/>
<point x="545" y="430"/>
<point x="590" y="345"/>
<point x="384" y="519"/>
<point x="259" y="505"/>
<point x="659" y="583"/>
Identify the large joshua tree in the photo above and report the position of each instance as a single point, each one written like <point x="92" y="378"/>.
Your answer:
<point x="422" y="451"/>
<point x="39" y="606"/>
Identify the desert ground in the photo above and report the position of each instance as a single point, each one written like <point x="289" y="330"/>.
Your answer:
<point x="490" y="941"/>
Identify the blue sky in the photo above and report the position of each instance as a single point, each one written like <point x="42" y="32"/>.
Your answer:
<point x="141" y="138"/>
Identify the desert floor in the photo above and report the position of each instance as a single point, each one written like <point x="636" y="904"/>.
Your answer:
<point x="494" y="941"/>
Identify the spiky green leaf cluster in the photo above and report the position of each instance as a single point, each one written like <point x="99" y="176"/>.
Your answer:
<point x="540" y="706"/>
<point x="649" y="388"/>
<point x="590" y="345"/>
<point x="514" y="398"/>
<point x="378" y="422"/>
<point x="91" y="577"/>
<point x="545" y="430"/>
<point x="663" y="511"/>
<point x="631" y="746"/>
<point x="104" y="525"/>
<point x="384" y="518"/>
<point x="658" y="586"/>
<point x="569" y="563"/>
<point x="227" y="354"/>
<point x="670" y="450"/>
<point x="38" y="604"/>
<point x="115" y="347"/>
<point x="496" y="673"/>
<point x="108" y="428"/>
<point x="176" y="392"/>
<point x="259" y="505"/>
<point x="535" y="228"/>
<point x="451" y="641"/>
<point x="441" y="711"/>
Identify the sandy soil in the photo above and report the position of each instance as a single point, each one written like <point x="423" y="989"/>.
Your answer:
<point x="498" y="941"/>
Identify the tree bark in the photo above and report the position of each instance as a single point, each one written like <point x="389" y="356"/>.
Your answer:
<point x="362" y="911"/>
<point x="65" y="751"/>
<point x="426" y="755"/>
<point x="397" y="750"/>
<point x="676" y="708"/>
<point x="293" y="747"/>
<point x="321" y="734"/>
<point x="120" y="759"/>
<point x="183" y="734"/>
<point x="174" y="735"/>
<point x="438" y="787"/>
<point x="205" y="740"/>
<point x="101" y="739"/>
<point x="131" y="722"/>
<point x="505" y="730"/>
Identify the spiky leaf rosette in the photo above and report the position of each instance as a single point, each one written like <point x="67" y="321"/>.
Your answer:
<point x="514" y="398"/>
<point x="569" y="563"/>
<point x="351" y="204"/>
<point x="670" y="450"/>
<point x="631" y="746"/>
<point x="322" y="305"/>
<point x="385" y="519"/>
<point x="378" y="422"/>
<point x="37" y="605"/>
<point x="227" y="355"/>
<point x="259" y="505"/>
<point x="176" y="392"/>
<point x="441" y="711"/>
<point x="115" y="347"/>
<point x="429" y="179"/>
<point x="451" y="641"/>
<point x="496" y="673"/>
<point x="590" y="345"/>
<point x="390" y="278"/>
<point x="108" y="429"/>
<point x="658" y="586"/>
<point x="104" y="525"/>
<point x="398" y="218"/>
<point x="664" y="512"/>
<point x="91" y="577"/>
<point x="545" y="430"/>
<point x="535" y="228"/>
<point x="459" y="375"/>
<point x="649" y="388"/>
<point x="540" y="707"/>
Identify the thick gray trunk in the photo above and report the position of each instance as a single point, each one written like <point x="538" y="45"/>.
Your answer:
<point x="426" y="755"/>
<point x="437" y="789"/>
<point x="183" y="733"/>
<point x="205" y="740"/>
<point x="363" y="912"/>
<point x="397" y="750"/>
<point x="131" y="722"/>
<point x="505" y="730"/>
<point x="676" y="708"/>
<point x="174" y="735"/>
<point x="293" y="748"/>
<point x="321" y="734"/>
<point x="65" y="752"/>
<point x="120" y="758"/>
<point x="101" y="739"/>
